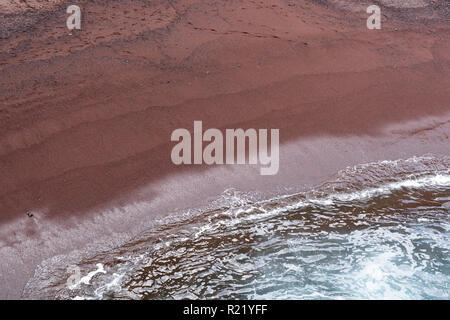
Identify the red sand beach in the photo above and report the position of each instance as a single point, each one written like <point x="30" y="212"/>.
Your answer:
<point x="86" y="116"/>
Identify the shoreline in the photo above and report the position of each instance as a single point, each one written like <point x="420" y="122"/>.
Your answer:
<point x="109" y="226"/>
<point x="86" y="118"/>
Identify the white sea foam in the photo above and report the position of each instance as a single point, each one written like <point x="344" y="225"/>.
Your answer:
<point x="87" y="278"/>
<point x="436" y="180"/>
<point x="373" y="260"/>
<point x="420" y="183"/>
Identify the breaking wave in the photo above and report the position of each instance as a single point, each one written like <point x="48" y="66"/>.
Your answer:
<point x="374" y="231"/>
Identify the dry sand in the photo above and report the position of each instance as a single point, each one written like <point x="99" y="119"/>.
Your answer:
<point x="86" y="116"/>
<point x="18" y="6"/>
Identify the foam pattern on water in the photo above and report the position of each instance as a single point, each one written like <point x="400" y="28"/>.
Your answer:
<point x="375" y="231"/>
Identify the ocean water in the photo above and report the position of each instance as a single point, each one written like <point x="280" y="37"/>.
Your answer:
<point x="374" y="231"/>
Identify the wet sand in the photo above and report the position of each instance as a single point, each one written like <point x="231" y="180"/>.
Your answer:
<point x="86" y="116"/>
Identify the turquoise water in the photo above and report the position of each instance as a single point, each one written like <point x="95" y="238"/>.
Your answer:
<point x="375" y="231"/>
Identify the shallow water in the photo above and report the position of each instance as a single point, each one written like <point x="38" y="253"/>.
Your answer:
<point x="375" y="231"/>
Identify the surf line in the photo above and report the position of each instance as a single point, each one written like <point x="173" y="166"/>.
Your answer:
<point x="213" y="153"/>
